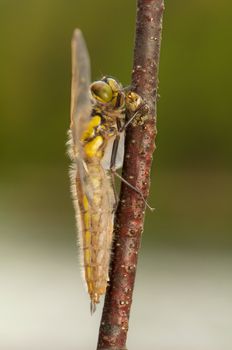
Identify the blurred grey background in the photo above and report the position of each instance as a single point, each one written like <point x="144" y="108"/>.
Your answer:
<point x="183" y="290"/>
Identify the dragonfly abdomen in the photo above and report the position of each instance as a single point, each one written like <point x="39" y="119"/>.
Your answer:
<point x="97" y="222"/>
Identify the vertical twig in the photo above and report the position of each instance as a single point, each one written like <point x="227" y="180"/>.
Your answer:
<point x="140" y="141"/>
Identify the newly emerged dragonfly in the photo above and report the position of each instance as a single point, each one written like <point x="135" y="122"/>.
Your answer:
<point x="96" y="148"/>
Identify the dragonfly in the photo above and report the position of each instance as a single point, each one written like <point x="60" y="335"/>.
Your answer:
<point x="96" y="149"/>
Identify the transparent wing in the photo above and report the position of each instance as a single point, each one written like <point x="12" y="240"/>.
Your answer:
<point x="106" y="160"/>
<point x="80" y="100"/>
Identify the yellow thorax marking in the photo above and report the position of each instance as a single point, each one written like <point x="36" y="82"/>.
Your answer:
<point x="92" y="147"/>
<point x="89" y="132"/>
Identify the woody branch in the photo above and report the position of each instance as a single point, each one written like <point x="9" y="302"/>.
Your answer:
<point x="139" y="148"/>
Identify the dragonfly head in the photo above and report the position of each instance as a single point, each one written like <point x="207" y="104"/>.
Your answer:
<point x="107" y="91"/>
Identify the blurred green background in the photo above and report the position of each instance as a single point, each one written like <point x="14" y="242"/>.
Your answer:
<point x="186" y="255"/>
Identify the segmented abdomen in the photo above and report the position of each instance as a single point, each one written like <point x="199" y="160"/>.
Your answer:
<point x="95" y="202"/>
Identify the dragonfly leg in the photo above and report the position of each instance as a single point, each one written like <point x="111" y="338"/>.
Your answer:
<point x="115" y="192"/>
<point x="130" y="120"/>
<point x="114" y="173"/>
<point x="112" y="166"/>
<point x="133" y="188"/>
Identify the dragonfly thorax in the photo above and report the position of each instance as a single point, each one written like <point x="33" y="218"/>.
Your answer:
<point x="106" y="119"/>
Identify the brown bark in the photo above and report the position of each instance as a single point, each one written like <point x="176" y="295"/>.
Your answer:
<point x="140" y="144"/>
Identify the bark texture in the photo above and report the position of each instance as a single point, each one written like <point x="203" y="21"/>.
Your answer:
<point x="140" y="145"/>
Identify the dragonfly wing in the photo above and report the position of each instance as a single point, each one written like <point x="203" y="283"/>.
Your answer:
<point x="80" y="99"/>
<point x="106" y="160"/>
<point x="120" y="151"/>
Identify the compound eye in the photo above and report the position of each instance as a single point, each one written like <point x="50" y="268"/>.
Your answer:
<point x="113" y="84"/>
<point x="101" y="91"/>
